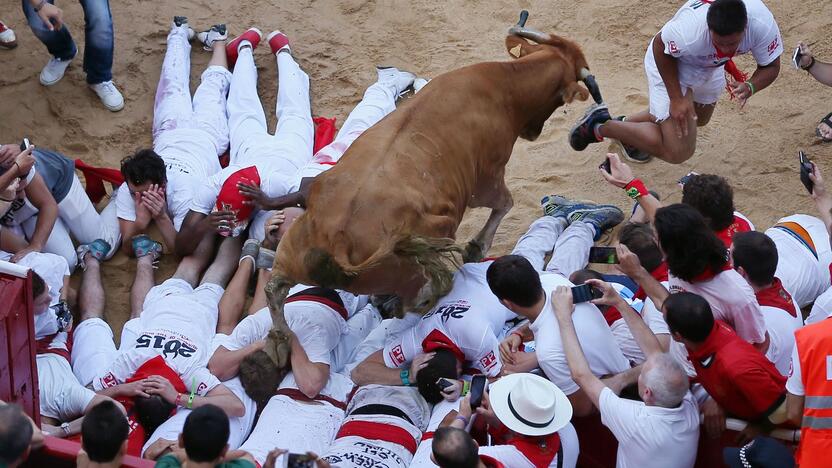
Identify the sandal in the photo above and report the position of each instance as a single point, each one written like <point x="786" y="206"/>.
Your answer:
<point x="828" y="121"/>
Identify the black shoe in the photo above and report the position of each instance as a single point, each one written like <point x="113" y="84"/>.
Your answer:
<point x="180" y="20"/>
<point x="631" y="153"/>
<point x="583" y="133"/>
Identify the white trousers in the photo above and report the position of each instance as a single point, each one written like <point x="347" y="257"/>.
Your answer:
<point x="290" y="148"/>
<point x="569" y="244"/>
<point x="76" y="216"/>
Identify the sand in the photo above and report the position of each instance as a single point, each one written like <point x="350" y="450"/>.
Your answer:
<point x="339" y="42"/>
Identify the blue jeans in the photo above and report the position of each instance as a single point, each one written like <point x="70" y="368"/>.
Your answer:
<point x="98" y="52"/>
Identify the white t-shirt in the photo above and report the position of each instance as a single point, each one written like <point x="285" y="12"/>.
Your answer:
<point x="594" y="334"/>
<point x="273" y="184"/>
<point x="179" y="194"/>
<point x="822" y="308"/>
<point x="651" y="316"/>
<point x="62" y="397"/>
<point x="180" y="330"/>
<point x="794" y="384"/>
<point x="651" y="436"/>
<point x="781" y="327"/>
<point x="687" y="37"/>
<point x="732" y="300"/>
<point x="469" y="316"/>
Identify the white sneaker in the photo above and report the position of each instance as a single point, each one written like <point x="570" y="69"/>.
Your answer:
<point x="418" y="84"/>
<point x="401" y="80"/>
<point x="182" y="21"/>
<point x="53" y="71"/>
<point x="7" y="37"/>
<point x="109" y="95"/>
<point x="218" y="32"/>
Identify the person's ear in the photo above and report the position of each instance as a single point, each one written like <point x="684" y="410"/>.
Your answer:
<point x="123" y="449"/>
<point x="181" y="441"/>
<point x="224" y="452"/>
<point x="508" y="304"/>
<point x="742" y="272"/>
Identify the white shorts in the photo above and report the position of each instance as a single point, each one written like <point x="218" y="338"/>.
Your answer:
<point x="61" y="396"/>
<point x="240" y="427"/>
<point x="207" y="295"/>
<point x="803" y="275"/>
<point x="707" y="85"/>
<point x="299" y="427"/>
<point x="93" y="349"/>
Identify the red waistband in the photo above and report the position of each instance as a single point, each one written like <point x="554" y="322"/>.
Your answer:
<point x="296" y="394"/>
<point x="320" y="299"/>
<point x="379" y="431"/>
<point x="427" y="436"/>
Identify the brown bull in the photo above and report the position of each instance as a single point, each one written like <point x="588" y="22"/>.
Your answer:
<point x="383" y="220"/>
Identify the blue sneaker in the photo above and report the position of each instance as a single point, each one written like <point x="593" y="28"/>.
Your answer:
<point x="558" y="206"/>
<point x="143" y="246"/>
<point x="583" y="133"/>
<point x="98" y="249"/>
<point x="602" y="217"/>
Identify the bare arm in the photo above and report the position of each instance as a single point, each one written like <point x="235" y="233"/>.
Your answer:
<point x="822" y="198"/>
<point x="310" y="376"/>
<point x="822" y="72"/>
<point x="193" y="229"/>
<point x="668" y="68"/>
<point x="630" y="265"/>
<point x="765" y="75"/>
<point x="644" y="337"/>
<point x="794" y="408"/>
<point x="38" y="194"/>
<point x="225" y="364"/>
<point x="621" y="175"/>
<point x="373" y="370"/>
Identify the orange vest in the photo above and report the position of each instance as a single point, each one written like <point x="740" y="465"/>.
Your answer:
<point x="814" y="348"/>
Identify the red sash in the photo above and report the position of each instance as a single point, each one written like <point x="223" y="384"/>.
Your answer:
<point x="379" y="431"/>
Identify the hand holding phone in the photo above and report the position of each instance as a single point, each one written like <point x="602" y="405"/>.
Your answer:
<point x="603" y="255"/>
<point x="684" y="179"/>
<point x="25" y="144"/>
<point x="477" y="389"/>
<point x="796" y="56"/>
<point x="299" y="460"/>
<point x="584" y="293"/>
<point x="605" y="166"/>
<point x="806" y="168"/>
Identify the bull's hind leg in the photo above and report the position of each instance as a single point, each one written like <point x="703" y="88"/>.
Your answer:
<point x="477" y="247"/>
<point x="278" y="346"/>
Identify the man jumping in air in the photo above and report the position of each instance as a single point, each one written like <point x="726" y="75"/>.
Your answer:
<point x="685" y="75"/>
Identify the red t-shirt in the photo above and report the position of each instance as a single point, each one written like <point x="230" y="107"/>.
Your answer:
<point x="737" y="376"/>
<point x="740" y="224"/>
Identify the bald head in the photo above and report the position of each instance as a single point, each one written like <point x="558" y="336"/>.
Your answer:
<point x="454" y="448"/>
<point x="291" y="214"/>
<point x="665" y="379"/>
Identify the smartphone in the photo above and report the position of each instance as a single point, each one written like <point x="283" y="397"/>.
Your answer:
<point x="584" y="293"/>
<point x="806" y="168"/>
<point x="298" y="460"/>
<point x="686" y="178"/>
<point x="25" y="144"/>
<point x="444" y="383"/>
<point x="796" y="56"/>
<point x="606" y="166"/>
<point x="477" y="389"/>
<point x="603" y="255"/>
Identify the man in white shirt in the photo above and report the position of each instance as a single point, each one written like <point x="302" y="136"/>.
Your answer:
<point x="662" y="429"/>
<point x="523" y="289"/>
<point x="189" y="136"/>
<point x="684" y="65"/>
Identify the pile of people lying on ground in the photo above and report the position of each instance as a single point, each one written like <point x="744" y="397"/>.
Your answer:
<point x="693" y="315"/>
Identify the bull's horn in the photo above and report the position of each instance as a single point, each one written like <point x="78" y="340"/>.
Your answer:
<point x="528" y="33"/>
<point x="591" y="85"/>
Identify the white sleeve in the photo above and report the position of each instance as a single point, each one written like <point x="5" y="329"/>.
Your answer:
<point x="556" y="368"/>
<point x="205" y="195"/>
<point x="276" y="185"/>
<point x="200" y="380"/>
<point x="317" y="332"/>
<point x="120" y="370"/>
<point x="768" y="44"/>
<point x="486" y="357"/>
<point x="654" y="319"/>
<point x="621" y="416"/>
<point x="678" y="34"/>
<point x="125" y="206"/>
<point x="399" y="350"/>
<point x="795" y="383"/>
<point x="508" y="455"/>
<point x="250" y="329"/>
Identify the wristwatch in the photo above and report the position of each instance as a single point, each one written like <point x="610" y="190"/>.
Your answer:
<point x="65" y="428"/>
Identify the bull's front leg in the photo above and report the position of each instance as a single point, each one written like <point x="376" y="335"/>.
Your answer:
<point x="278" y="346"/>
<point x="481" y="243"/>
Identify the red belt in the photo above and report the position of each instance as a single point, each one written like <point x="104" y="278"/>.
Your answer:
<point x="296" y="394"/>
<point x="379" y="431"/>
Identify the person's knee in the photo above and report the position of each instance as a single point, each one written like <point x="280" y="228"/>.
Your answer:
<point x="677" y="154"/>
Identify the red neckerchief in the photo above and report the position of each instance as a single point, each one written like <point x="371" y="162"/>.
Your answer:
<point x="490" y="462"/>
<point x="539" y="450"/>
<point x="43" y="346"/>
<point x="727" y="235"/>
<point x="155" y="366"/>
<point x="660" y="274"/>
<point x="715" y="338"/>
<point x="776" y="296"/>
<point x="709" y="274"/>
<point x="437" y="340"/>
<point x="730" y="67"/>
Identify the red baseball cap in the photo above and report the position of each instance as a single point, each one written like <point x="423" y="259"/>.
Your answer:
<point x="230" y="197"/>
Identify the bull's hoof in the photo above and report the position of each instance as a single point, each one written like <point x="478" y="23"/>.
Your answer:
<point x="278" y="347"/>
<point x="474" y="252"/>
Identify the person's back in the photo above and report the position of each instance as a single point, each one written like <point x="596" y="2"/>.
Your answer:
<point x="205" y="441"/>
<point x="813" y="348"/>
<point x="103" y="436"/>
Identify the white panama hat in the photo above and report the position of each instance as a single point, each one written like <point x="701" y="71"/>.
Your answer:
<point x="529" y="404"/>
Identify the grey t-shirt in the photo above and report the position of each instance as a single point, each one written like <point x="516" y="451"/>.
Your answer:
<point x="56" y="170"/>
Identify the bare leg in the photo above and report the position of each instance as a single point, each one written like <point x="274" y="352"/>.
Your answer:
<point x="704" y="112"/>
<point x="643" y="116"/>
<point x="225" y="262"/>
<point x="192" y="266"/>
<point x="142" y="283"/>
<point x="91" y="300"/>
<point x="218" y="57"/>
<point x="259" y="301"/>
<point x="234" y="298"/>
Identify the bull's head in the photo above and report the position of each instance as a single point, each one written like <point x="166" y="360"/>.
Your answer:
<point x="574" y="67"/>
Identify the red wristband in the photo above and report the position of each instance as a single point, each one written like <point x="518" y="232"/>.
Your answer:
<point x="636" y="189"/>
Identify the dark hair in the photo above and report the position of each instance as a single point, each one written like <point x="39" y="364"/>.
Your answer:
<point x="151" y="411"/>
<point x="144" y="166"/>
<point x="454" y="448"/>
<point x="690" y="247"/>
<point x="727" y="17"/>
<point x="38" y="285"/>
<point x="580" y="276"/>
<point x="442" y="364"/>
<point x="15" y="433"/>
<point x="205" y="433"/>
<point x="756" y="253"/>
<point x="260" y="376"/>
<point x="713" y="197"/>
<point x="103" y="432"/>
<point x="512" y="277"/>
<point x="641" y="240"/>
<point x="689" y="315"/>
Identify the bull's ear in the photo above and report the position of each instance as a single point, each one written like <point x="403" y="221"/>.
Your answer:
<point x="573" y="91"/>
<point x="518" y="47"/>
